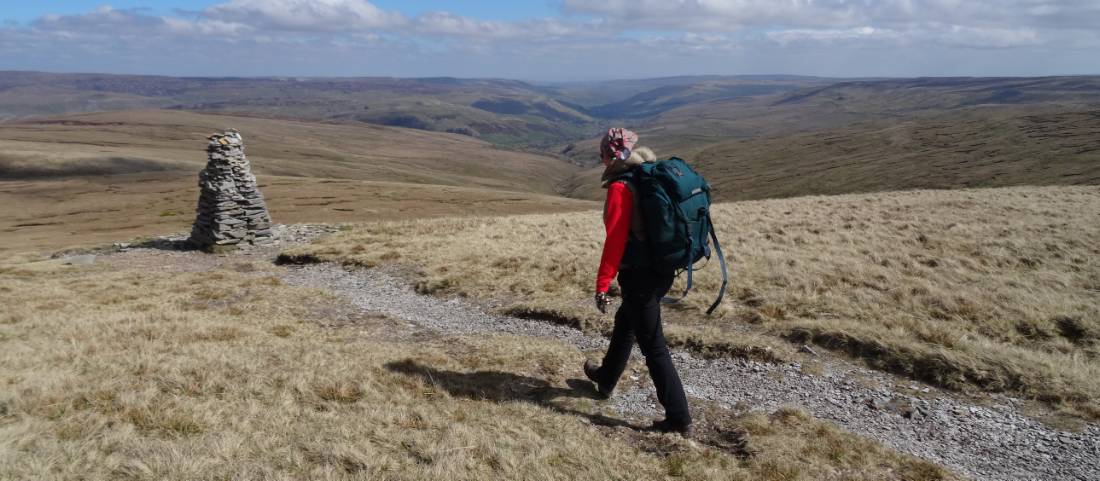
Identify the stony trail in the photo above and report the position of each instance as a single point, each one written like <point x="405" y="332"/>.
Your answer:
<point x="982" y="442"/>
<point x="992" y="440"/>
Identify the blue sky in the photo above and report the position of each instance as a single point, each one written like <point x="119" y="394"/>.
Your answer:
<point x="27" y="11"/>
<point x="24" y="12"/>
<point x="554" y="39"/>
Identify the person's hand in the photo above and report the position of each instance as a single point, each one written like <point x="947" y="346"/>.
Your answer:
<point x="602" y="301"/>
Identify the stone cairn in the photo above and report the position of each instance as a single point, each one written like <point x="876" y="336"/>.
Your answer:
<point x="231" y="209"/>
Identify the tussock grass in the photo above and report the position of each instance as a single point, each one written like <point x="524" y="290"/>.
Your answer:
<point x="994" y="288"/>
<point x="150" y="376"/>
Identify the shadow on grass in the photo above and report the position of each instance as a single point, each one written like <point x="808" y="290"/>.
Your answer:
<point x="108" y="249"/>
<point x="714" y="427"/>
<point x="166" y="245"/>
<point x="501" y="387"/>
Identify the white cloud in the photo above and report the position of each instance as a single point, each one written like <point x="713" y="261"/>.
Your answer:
<point x="206" y="27"/>
<point x="719" y="15"/>
<point x="450" y="25"/>
<point x="793" y="36"/>
<point x="971" y="23"/>
<point x="989" y="37"/>
<point x="310" y="15"/>
<point x="343" y="37"/>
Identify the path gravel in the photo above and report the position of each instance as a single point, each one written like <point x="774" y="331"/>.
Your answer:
<point x="989" y="441"/>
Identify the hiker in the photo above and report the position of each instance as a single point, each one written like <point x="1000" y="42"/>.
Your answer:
<point x="625" y="252"/>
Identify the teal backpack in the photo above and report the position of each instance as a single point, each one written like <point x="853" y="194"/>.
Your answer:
<point x="675" y="203"/>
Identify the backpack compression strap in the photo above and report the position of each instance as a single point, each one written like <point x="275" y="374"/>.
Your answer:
<point x="703" y="233"/>
<point x="721" y="262"/>
<point x="687" y="260"/>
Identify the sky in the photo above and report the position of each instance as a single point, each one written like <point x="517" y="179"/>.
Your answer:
<point x="553" y="40"/>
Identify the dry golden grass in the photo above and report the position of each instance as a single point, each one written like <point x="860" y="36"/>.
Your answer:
<point x="225" y="375"/>
<point x="993" y="288"/>
<point x="108" y="177"/>
<point x="63" y="213"/>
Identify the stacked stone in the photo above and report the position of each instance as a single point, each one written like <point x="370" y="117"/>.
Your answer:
<point x="231" y="209"/>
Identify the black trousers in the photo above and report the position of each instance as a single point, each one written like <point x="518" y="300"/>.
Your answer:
<point x="639" y="317"/>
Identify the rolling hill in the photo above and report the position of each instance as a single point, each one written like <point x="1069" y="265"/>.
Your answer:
<point x="639" y="98"/>
<point x="502" y="111"/>
<point x="880" y="101"/>
<point x="159" y="140"/>
<point x="103" y="177"/>
<point x="505" y="112"/>
<point x="756" y="136"/>
<point x="971" y="147"/>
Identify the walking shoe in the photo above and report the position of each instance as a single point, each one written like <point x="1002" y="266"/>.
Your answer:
<point x="666" y="426"/>
<point x="590" y="371"/>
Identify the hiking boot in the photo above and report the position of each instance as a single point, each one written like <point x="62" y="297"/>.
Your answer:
<point x="666" y="426"/>
<point x="590" y="371"/>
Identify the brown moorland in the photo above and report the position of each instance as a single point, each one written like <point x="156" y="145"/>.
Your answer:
<point x="986" y="148"/>
<point x="994" y="289"/>
<point x="500" y="110"/>
<point x="109" y="177"/>
<point x="159" y="140"/>
<point x="137" y="374"/>
<point x="81" y="212"/>
<point x="975" y="147"/>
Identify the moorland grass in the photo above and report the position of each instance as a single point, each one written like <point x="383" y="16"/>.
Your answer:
<point x="144" y="375"/>
<point x="990" y="288"/>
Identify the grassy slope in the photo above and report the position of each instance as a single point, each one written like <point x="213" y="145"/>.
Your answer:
<point x="146" y="375"/>
<point x="973" y="149"/>
<point x="993" y="288"/>
<point x="96" y="178"/>
<point x="57" y="214"/>
<point x="125" y="142"/>
<point x="686" y="129"/>
<point x="885" y="101"/>
<point x="979" y="147"/>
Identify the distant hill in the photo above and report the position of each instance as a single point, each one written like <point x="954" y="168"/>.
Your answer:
<point x="679" y="92"/>
<point x="846" y="103"/>
<point x="502" y="111"/>
<point x="763" y="135"/>
<point x="689" y="128"/>
<point x="160" y="140"/>
<point x="972" y="147"/>
<point x="918" y="94"/>
<point x="598" y="95"/>
<point x="975" y="149"/>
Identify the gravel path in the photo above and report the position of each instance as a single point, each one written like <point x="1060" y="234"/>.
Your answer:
<point x="982" y="442"/>
<point x="989" y="441"/>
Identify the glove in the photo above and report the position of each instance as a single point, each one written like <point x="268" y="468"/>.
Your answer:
<point x="602" y="301"/>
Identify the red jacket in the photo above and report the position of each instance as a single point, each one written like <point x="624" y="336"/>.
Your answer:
<point x="616" y="220"/>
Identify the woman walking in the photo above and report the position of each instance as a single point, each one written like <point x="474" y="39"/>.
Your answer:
<point x="639" y="317"/>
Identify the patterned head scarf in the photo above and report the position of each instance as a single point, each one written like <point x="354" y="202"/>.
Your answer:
<point x="618" y="155"/>
<point x="617" y="144"/>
